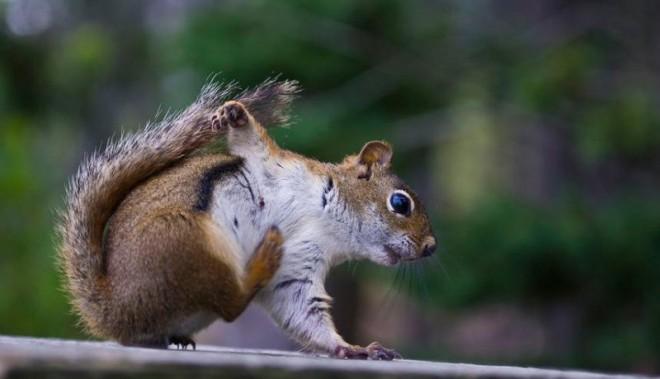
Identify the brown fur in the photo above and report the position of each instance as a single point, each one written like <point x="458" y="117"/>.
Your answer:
<point x="368" y="178"/>
<point x="165" y="263"/>
<point x="144" y="261"/>
<point x="133" y="280"/>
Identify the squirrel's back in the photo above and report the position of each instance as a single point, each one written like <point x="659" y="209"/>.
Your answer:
<point x="105" y="179"/>
<point x="181" y="186"/>
<point x="156" y="250"/>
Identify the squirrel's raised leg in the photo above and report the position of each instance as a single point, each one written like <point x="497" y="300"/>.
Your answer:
<point x="245" y="136"/>
<point x="260" y="269"/>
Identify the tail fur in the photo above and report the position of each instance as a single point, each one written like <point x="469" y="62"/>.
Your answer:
<point x="105" y="178"/>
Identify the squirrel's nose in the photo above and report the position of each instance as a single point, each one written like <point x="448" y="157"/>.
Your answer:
<point x="429" y="246"/>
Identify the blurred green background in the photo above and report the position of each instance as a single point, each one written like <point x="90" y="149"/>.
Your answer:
<point x="530" y="129"/>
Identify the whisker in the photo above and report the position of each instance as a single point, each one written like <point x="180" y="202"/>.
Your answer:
<point x="388" y="300"/>
<point x="399" y="280"/>
<point x="414" y="280"/>
<point x="353" y="267"/>
<point x="421" y="271"/>
<point x="409" y="279"/>
<point x="438" y="264"/>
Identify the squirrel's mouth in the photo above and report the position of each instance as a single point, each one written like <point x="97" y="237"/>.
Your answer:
<point x="392" y="256"/>
<point x="395" y="255"/>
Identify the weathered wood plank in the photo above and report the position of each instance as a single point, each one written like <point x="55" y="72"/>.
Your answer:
<point x="22" y="357"/>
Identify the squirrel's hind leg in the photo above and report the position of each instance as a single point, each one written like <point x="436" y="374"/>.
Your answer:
<point x="245" y="135"/>
<point x="259" y="271"/>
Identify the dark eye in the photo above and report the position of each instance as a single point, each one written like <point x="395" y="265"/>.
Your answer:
<point x="400" y="203"/>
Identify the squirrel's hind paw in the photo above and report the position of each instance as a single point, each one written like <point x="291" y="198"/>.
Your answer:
<point x="271" y="251"/>
<point x="181" y="342"/>
<point x="234" y="114"/>
<point x="267" y="257"/>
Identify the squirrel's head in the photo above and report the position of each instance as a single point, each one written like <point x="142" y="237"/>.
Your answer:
<point x="391" y="223"/>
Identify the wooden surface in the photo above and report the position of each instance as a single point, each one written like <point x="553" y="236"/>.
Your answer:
<point x="22" y="357"/>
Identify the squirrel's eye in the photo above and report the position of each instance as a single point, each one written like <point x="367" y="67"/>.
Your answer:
<point x="400" y="202"/>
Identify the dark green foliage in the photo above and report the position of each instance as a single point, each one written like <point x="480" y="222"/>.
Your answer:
<point x="531" y="131"/>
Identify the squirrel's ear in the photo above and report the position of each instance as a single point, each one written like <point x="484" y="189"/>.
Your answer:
<point x="374" y="152"/>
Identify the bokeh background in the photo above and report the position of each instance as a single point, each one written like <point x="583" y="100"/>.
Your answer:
<point x="531" y="129"/>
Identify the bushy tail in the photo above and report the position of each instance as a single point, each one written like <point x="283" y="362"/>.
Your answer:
<point x="105" y="178"/>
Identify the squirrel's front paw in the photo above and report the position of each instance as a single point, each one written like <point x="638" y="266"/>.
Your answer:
<point x="374" y="351"/>
<point x="232" y="113"/>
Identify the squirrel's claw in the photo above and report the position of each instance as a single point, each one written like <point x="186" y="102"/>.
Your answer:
<point x="375" y="351"/>
<point x="182" y="342"/>
<point x="350" y="352"/>
<point x="233" y="114"/>
<point x="379" y="352"/>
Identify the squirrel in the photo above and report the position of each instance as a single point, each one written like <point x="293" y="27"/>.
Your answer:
<point x="158" y="238"/>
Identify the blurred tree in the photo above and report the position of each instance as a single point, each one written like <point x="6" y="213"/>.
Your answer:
<point x="531" y="130"/>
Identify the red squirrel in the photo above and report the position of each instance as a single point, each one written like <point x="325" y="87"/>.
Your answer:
<point x="159" y="238"/>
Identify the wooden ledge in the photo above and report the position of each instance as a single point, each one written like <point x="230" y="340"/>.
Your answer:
<point x="22" y="357"/>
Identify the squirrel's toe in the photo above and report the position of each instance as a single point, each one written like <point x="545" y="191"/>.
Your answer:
<point x="233" y="114"/>
<point x="181" y="342"/>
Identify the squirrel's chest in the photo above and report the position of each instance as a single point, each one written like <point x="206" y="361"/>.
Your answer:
<point x="249" y="201"/>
